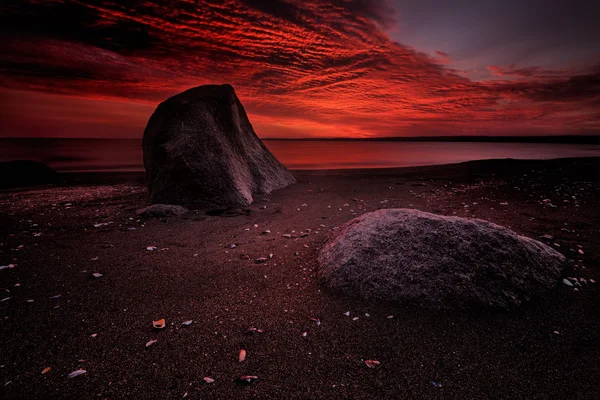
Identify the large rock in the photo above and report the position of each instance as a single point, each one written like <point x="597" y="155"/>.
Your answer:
<point x="200" y="149"/>
<point x="401" y="254"/>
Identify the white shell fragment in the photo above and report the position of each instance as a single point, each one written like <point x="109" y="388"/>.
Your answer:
<point x="76" y="373"/>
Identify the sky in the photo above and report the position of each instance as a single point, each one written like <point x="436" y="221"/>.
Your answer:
<point x="304" y="68"/>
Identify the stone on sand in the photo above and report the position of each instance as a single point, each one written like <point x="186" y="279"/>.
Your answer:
<point x="21" y="173"/>
<point x="200" y="149"/>
<point x="161" y="210"/>
<point x="437" y="261"/>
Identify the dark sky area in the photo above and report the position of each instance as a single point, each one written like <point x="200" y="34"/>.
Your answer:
<point x="304" y="68"/>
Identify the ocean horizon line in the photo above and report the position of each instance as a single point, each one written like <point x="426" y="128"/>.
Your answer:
<point x="562" y="139"/>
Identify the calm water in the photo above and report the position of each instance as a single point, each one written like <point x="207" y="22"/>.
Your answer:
<point x="126" y="155"/>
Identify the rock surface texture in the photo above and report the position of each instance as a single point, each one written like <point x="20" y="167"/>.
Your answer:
<point x="161" y="210"/>
<point x="200" y="149"/>
<point x="437" y="261"/>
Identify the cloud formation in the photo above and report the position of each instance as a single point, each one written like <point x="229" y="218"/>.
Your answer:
<point x="302" y="68"/>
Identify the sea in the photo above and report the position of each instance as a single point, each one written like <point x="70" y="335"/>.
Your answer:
<point x="125" y="155"/>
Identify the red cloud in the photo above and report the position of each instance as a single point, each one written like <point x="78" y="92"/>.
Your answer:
<point x="301" y="68"/>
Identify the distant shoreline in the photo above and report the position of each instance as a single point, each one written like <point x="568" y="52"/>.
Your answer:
<point x="579" y="139"/>
<point x="561" y="139"/>
<point x="500" y="167"/>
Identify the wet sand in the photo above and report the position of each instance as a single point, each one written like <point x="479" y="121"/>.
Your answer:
<point x="547" y="349"/>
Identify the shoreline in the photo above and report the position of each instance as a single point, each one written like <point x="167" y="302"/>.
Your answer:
<point x="489" y="165"/>
<point x="118" y="156"/>
<point x="74" y="176"/>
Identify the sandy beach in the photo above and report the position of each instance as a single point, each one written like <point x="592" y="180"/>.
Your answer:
<point x="203" y="268"/>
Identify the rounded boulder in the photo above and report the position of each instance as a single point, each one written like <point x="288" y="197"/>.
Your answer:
<point x="437" y="261"/>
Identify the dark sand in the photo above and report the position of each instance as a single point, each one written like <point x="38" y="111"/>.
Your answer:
<point x="475" y="354"/>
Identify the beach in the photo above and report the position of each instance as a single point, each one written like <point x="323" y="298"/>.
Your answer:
<point x="203" y="267"/>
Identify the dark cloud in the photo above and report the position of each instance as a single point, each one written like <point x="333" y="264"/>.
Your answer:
<point x="527" y="72"/>
<point x="578" y="88"/>
<point x="71" y="20"/>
